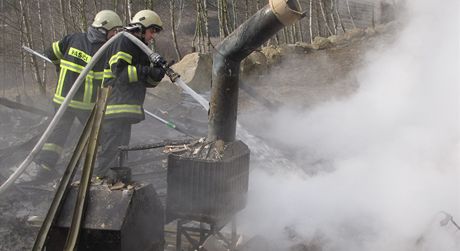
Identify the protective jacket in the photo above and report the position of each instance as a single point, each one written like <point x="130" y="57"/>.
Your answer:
<point x="71" y="55"/>
<point x="124" y="72"/>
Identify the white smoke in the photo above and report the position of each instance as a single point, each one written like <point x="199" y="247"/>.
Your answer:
<point x="394" y="147"/>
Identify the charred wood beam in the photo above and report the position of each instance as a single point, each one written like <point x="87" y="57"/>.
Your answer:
<point x="18" y="106"/>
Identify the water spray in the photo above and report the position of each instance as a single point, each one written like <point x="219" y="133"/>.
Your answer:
<point x="155" y="58"/>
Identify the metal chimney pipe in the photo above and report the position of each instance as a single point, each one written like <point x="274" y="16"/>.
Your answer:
<point x="228" y="56"/>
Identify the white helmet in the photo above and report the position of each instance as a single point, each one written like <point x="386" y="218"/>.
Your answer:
<point x="147" y="19"/>
<point x="107" y="20"/>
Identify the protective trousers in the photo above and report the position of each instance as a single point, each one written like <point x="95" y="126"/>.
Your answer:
<point x="53" y="148"/>
<point x="115" y="133"/>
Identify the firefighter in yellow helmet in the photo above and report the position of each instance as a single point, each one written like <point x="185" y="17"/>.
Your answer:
<point x="129" y="72"/>
<point x="70" y="55"/>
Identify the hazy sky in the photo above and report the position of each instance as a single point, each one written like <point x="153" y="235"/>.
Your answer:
<point x="394" y="147"/>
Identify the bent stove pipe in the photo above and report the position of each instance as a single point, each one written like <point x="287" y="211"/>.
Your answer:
<point x="228" y="56"/>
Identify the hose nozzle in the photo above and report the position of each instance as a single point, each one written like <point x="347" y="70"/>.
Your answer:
<point x="158" y="60"/>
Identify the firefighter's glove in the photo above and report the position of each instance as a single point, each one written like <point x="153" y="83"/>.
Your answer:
<point x="153" y="73"/>
<point x="158" y="60"/>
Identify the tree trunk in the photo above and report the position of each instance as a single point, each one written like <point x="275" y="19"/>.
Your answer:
<point x="234" y="14"/>
<point x="331" y="11"/>
<point x="179" y="16"/>
<point x="129" y="7"/>
<point x="96" y="5"/>
<point x="53" y="25"/>
<point x="64" y="14"/>
<point x="285" y="35"/>
<point x="310" y="20"/>
<point x="28" y="39"/>
<point x="206" y="26"/>
<point x="42" y="39"/>
<point x="349" y="13"/>
<point x="227" y="29"/>
<point x="221" y="18"/>
<point x="323" y="13"/>
<point x="338" y="16"/>
<point x="84" y="21"/>
<point x="246" y="10"/>
<point x="300" y="23"/>
<point x="23" y="61"/>
<point x="72" y="17"/>
<point x="173" y="29"/>
<point x="197" y="21"/>
<point x="318" y="20"/>
<point x="3" y="49"/>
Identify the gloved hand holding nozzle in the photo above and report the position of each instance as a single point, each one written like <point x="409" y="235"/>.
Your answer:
<point x="158" y="60"/>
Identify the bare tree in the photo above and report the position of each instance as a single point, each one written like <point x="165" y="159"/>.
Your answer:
<point x="246" y="10"/>
<point x="84" y="21"/>
<point x="96" y="5"/>
<point x="198" y="25"/>
<point x="129" y="5"/>
<point x="3" y="49"/>
<point x="73" y="18"/>
<point x="206" y="25"/>
<point x="173" y="29"/>
<point x="349" y="13"/>
<point x="222" y="17"/>
<point x="234" y="15"/>
<point x="64" y="14"/>
<point x="323" y="13"/>
<point x="299" y="23"/>
<point x="42" y="38"/>
<point x="310" y="20"/>
<point x="338" y="16"/>
<point x="115" y="4"/>
<point x="29" y="42"/>
<point x="52" y="23"/>
<point x="331" y="12"/>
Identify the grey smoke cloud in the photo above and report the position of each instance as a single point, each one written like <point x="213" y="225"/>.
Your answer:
<point x="394" y="147"/>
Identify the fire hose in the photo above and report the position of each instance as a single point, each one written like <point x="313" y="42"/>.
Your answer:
<point x="169" y="124"/>
<point x="175" y="78"/>
<point x="57" y="116"/>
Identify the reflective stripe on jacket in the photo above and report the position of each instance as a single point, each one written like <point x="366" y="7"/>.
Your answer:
<point x="122" y="71"/>
<point x="72" y="54"/>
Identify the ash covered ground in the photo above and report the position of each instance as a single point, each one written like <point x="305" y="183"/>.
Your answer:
<point x="300" y="80"/>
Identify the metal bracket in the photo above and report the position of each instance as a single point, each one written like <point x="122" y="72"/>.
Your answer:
<point x="197" y="236"/>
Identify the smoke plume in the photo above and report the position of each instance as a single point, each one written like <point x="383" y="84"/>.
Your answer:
<point x="388" y="155"/>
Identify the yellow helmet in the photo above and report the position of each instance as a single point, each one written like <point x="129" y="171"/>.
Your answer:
<point x="147" y="19"/>
<point x="107" y="20"/>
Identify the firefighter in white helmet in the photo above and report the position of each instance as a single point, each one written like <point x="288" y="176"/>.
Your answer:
<point x="129" y="71"/>
<point x="70" y="55"/>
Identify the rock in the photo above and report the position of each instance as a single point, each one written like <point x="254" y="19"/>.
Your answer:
<point x="370" y="31"/>
<point x="354" y="34"/>
<point x="303" y="47"/>
<point x="297" y="48"/>
<point x="255" y="62"/>
<point x="391" y="26"/>
<point x="337" y="39"/>
<point x="320" y="43"/>
<point x="272" y="54"/>
<point x="194" y="69"/>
